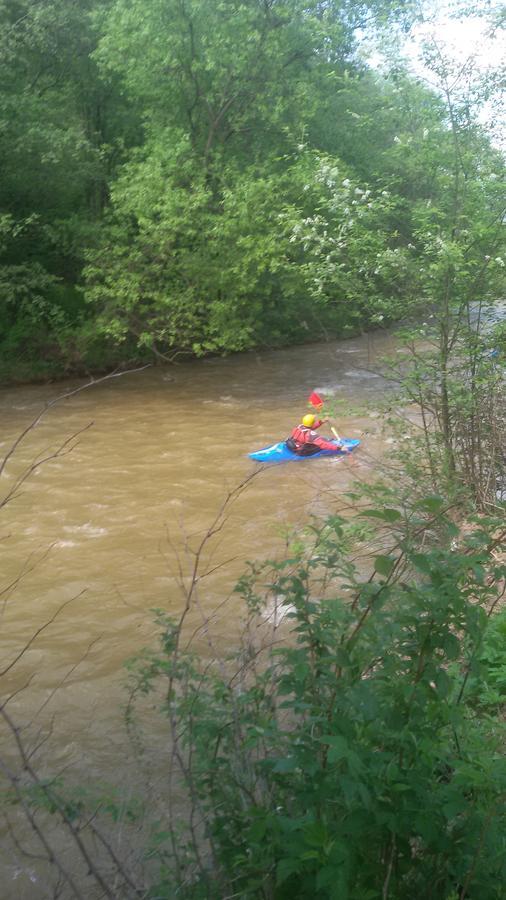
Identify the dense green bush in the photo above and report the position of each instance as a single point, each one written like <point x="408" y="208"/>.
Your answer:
<point x="350" y="760"/>
<point x="216" y="176"/>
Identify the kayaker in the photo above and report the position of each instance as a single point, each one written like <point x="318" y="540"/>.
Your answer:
<point x="304" y="440"/>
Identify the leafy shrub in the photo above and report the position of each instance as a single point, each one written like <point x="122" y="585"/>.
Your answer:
<point x="349" y="760"/>
<point x="488" y="682"/>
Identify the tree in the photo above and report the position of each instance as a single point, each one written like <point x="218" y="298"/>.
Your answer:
<point x="60" y="136"/>
<point x="197" y="255"/>
<point x="430" y="247"/>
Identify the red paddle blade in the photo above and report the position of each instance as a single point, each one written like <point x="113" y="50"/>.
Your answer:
<point x="315" y="400"/>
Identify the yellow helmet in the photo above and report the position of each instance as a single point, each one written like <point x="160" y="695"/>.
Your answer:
<point x="309" y="420"/>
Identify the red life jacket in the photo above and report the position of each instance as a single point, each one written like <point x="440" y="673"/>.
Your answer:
<point x="303" y="436"/>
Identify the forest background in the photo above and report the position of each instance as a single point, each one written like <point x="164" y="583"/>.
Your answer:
<point x="184" y="177"/>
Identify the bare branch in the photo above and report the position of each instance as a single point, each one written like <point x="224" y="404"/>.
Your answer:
<point x="49" y="405"/>
<point x="39" y="631"/>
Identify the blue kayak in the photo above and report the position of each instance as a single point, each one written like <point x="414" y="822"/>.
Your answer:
<point x="279" y="452"/>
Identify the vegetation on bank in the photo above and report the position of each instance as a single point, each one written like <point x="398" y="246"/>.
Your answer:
<point x="211" y="177"/>
<point x="364" y="757"/>
<point x="183" y="178"/>
<point x="351" y="745"/>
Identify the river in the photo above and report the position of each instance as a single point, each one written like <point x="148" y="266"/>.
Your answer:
<point x="93" y="537"/>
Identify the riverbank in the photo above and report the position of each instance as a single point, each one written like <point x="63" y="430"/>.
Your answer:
<point x="40" y="371"/>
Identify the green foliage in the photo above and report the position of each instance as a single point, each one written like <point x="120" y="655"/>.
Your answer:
<point x="487" y="683"/>
<point x="353" y="760"/>
<point x="196" y="258"/>
<point x="450" y="251"/>
<point x="184" y="277"/>
<point x="224" y="236"/>
<point x="61" y="133"/>
<point x="226" y="175"/>
<point x="347" y="258"/>
<point x="76" y="804"/>
<point x="27" y="310"/>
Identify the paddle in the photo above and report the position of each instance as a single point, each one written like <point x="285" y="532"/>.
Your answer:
<point x="315" y="400"/>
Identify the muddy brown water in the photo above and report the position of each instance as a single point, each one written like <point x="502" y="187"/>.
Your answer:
<point x="94" y="536"/>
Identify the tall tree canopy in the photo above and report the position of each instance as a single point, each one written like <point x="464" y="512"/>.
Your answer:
<point x="193" y="176"/>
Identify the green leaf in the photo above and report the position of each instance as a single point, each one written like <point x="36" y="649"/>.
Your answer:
<point x="342" y="657"/>
<point x="388" y="514"/>
<point x="432" y="504"/>
<point x="339" y="747"/>
<point x="285" y="764"/>
<point x="384" y="565"/>
<point x="285" y="868"/>
<point x="422" y="562"/>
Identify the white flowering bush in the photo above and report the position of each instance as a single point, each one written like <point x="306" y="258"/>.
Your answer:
<point x="351" y="258"/>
